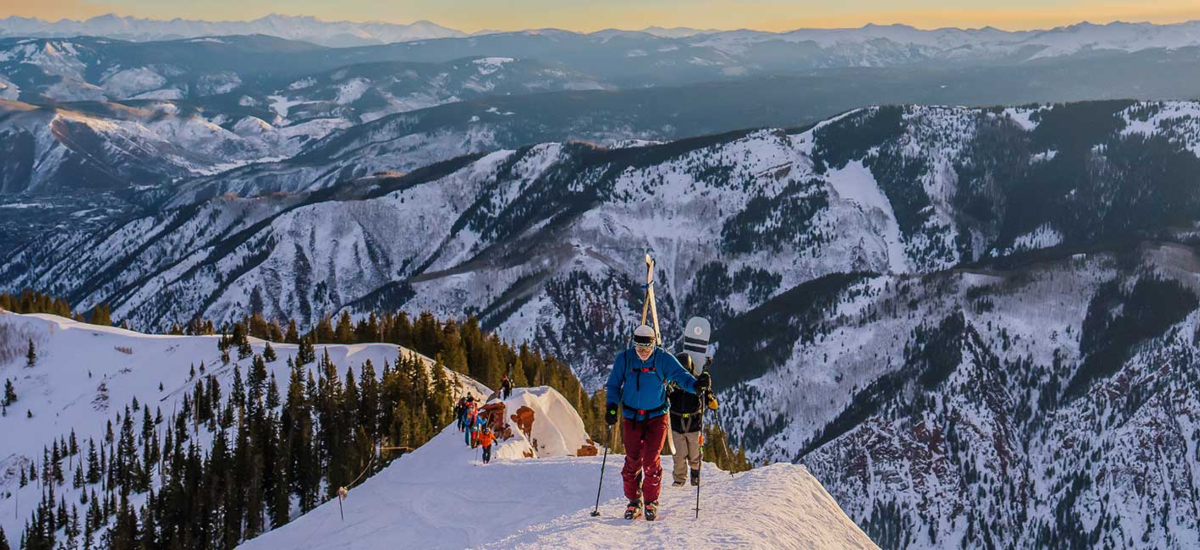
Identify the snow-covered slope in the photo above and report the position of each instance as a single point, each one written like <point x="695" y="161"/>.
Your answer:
<point x="86" y="373"/>
<point x="529" y="238"/>
<point x="442" y="496"/>
<point x="1013" y="402"/>
<point x="115" y="146"/>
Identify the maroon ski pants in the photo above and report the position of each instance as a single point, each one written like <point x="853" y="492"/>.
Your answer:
<point x="643" y="442"/>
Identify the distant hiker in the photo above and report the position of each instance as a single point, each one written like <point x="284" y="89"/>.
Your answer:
<point x="486" y="438"/>
<point x="506" y="387"/>
<point x="469" y="421"/>
<point x="638" y="382"/>
<point x="459" y="414"/>
<point x="687" y="410"/>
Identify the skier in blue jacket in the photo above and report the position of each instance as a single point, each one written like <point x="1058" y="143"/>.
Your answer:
<point x="639" y="382"/>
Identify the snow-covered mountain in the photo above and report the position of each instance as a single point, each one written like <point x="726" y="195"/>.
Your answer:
<point x="367" y="92"/>
<point x="306" y="29"/>
<point x="962" y="280"/>
<point x="119" y="146"/>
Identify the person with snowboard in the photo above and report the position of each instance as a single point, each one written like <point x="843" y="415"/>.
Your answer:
<point x="638" y="383"/>
<point x="687" y="417"/>
<point x="486" y="438"/>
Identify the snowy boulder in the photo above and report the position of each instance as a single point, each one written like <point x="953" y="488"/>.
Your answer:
<point x="540" y="422"/>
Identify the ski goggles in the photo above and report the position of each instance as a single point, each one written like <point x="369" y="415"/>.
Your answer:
<point x="643" y="342"/>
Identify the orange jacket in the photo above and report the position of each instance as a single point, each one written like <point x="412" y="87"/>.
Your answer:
<point x="486" y="439"/>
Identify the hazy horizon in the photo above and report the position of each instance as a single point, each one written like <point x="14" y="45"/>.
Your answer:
<point x="578" y="16"/>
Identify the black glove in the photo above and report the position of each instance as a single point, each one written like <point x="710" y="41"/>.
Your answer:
<point x="703" y="382"/>
<point x="610" y="416"/>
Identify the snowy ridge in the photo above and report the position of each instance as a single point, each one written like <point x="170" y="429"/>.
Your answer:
<point x="518" y="502"/>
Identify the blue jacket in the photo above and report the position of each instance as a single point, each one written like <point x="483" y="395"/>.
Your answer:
<point x="642" y="385"/>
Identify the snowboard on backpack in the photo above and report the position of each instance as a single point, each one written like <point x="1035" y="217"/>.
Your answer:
<point x="695" y="342"/>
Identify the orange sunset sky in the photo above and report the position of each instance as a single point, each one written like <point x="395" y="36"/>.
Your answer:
<point x="581" y="15"/>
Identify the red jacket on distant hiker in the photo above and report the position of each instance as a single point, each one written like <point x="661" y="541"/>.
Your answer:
<point x="638" y="383"/>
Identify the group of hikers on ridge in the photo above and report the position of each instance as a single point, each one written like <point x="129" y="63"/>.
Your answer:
<point x="653" y="391"/>
<point x="474" y="425"/>
<point x="638" y="386"/>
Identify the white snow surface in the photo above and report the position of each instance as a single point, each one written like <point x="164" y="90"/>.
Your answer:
<point x="442" y="496"/>
<point x="856" y="184"/>
<point x="63" y="390"/>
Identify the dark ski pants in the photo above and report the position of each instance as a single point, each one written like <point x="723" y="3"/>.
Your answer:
<point x="643" y="443"/>
<point x="487" y="454"/>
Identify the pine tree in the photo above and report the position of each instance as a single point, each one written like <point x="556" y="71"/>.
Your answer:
<point x="306" y="354"/>
<point x="272" y="393"/>
<point x="269" y="353"/>
<point x="31" y="355"/>
<point x="292" y="336"/>
<point x="3" y="540"/>
<point x="345" y="329"/>
<point x="101" y="315"/>
<point x="518" y="375"/>
<point x="10" y="393"/>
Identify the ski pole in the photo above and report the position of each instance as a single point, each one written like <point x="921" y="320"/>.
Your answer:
<point x="700" y="479"/>
<point x="603" y="463"/>
<point x="724" y="437"/>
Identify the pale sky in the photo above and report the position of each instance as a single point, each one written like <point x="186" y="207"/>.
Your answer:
<point x="591" y="15"/>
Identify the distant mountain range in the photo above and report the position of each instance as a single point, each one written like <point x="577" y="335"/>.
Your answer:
<point x="871" y="45"/>
<point x="307" y="29"/>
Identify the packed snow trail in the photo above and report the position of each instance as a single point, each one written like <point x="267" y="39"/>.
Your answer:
<point x="440" y="496"/>
<point x="778" y="506"/>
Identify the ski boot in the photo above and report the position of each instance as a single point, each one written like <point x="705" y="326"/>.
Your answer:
<point x="651" y="510"/>
<point x="695" y="478"/>
<point x="633" y="510"/>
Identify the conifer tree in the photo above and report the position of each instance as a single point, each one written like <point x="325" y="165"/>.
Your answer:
<point x="306" y="354"/>
<point x="345" y="329"/>
<point x="269" y="353"/>
<point x="324" y="333"/>
<point x="292" y="336"/>
<point x="272" y="402"/>
<point x="10" y="393"/>
<point x="31" y="355"/>
<point x="101" y="315"/>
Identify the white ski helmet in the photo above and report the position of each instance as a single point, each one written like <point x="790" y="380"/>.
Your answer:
<point x="643" y="336"/>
